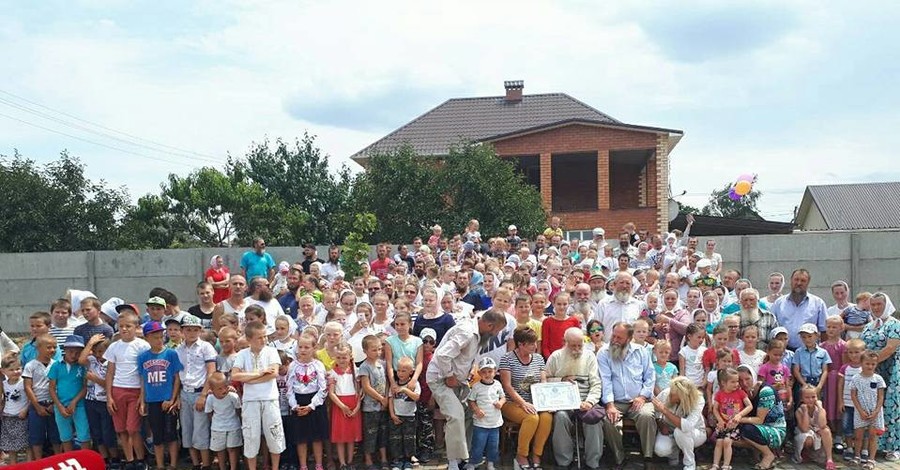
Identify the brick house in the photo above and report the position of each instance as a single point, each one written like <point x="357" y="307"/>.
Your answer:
<point x="591" y="169"/>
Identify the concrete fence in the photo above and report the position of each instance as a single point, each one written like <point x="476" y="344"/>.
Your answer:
<point x="30" y="281"/>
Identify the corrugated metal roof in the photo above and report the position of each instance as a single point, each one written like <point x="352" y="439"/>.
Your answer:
<point x="858" y="206"/>
<point x="434" y="132"/>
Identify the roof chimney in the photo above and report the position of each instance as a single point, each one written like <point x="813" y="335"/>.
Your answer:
<point x="514" y="90"/>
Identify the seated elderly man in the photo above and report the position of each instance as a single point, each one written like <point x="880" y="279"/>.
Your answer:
<point x="628" y="376"/>
<point x="571" y="363"/>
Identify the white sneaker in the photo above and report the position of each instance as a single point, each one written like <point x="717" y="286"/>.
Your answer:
<point x="490" y="466"/>
<point x="892" y="456"/>
<point x="453" y="464"/>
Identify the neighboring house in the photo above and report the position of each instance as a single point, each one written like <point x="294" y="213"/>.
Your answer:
<point x="591" y="169"/>
<point x="850" y="207"/>
<point x="707" y="225"/>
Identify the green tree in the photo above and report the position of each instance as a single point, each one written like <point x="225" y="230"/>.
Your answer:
<point x="56" y="207"/>
<point x="720" y="205"/>
<point x="687" y="209"/>
<point x="298" y="174"/>
<point x="355" y="249"/>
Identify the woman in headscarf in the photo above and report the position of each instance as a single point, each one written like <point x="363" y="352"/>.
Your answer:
<point x="676" y="319"/>
<point x="680" y="418"/>
<point x="882" y="335"/>
<point x="764" y="428"/>
<point x="711" y="307"/>
<point x="776" y="285"/>
<point x="218" y="276"/>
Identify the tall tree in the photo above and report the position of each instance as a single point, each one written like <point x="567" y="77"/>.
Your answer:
<point x="56" y="207"/>
<point x="298" y="174"/>
<point x="721" y="205"/>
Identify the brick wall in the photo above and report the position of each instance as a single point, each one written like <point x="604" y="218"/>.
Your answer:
<point x="580" y="138"/>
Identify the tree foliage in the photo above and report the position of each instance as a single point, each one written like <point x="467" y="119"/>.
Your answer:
<point x="408" y="193"/>
<point x="55" y="207"/>
<point x="356" y="249"/>
<point x="720" y="205"/>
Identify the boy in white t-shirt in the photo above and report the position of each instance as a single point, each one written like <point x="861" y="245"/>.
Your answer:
<point x="225" y="423"/>
<point x="123" y="388"/>
<point x="257" y="368"/>
<point x="485" y="401"/>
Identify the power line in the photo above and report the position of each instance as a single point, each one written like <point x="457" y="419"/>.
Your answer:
<point x="181" y="152"/>
<point x="175" y="162"/>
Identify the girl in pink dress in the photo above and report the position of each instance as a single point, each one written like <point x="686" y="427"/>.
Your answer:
<point x="836" y="347"/>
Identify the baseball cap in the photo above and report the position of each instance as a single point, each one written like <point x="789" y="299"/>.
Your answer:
<point x="511" y="227"/>
<point x="428" y="333"/>
<point x="191" y="320"/>
<point x="809" y="328"/>
<point x="74" y="341"/>
<point x="122" y="307"/>
<point x="777" y="331"/>
<point x="156" y="301"/>
<point x="704" y="263"/>
<point x="152" y="327"/>
<point x="486" y="363"/>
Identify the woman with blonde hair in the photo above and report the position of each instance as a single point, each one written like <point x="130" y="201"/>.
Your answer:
<point x="680" y="420"/>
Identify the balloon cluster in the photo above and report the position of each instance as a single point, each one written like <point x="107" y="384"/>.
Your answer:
<point x="742" y="186"/>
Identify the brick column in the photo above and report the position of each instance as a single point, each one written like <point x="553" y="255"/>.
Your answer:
<point x="602" y="179"/>
<point x="662" y="182"/>
<point x="546" y="182"/>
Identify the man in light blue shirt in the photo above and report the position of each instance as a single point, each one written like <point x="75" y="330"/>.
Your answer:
<point x="258" y="263"/>
<point x="628" y="376"/>
<point x="799" y="307"/>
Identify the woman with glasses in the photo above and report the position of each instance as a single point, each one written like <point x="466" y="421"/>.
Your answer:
<point x="519" y="369"/>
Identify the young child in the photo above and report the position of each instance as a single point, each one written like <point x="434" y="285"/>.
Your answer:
<point x="257" y="368"/>
<point x="123" y="386"/>
<point x="719" y="341"/>
<point x="776" y="374"/>
<point x="60" y="313"/>
<point x="749" y="354"/>
<point x="836" y="348"/>
<point x="522" y="307"/>
<point x="373" y="379"/>
<point x="595" y="335"/>
<point x="307" y="388"/>
<point x="425" y="407"/>
<point x="780" y="333"/>
<point x="485" y="401"/>
<point x="14" y="427"/>
<point x="333" y="334"/>
<point x="665" y="370"/>
<point x="227" y="353"/>
<point x="344" y="393"/>
<point x="810" y="362"/>
<point x="729" y="402"/>
<point x="733" y="326"/>
<point x="199" y="360"/>
<point x="283" y="340"/>
<point x="554" y="327"/>
<point x="812" y="427"/>
<point x="857" y="316"/>
<point x="67" y="390"/>
<point x="288" y="459"/>
<point x="723" y="362"/>
<point x="849" y="371"/>
<point x="39" y="324"/>
<point x="225" y="423"/>
<point x="100" y="422"/>
<point x="402" y="408"/>
<point x="690" y="356"/>
<point x="159" y="369"/>
<point x="41" y="424"/>
<point x="867" y="392"/>
<point x="401" y="345"/>
<point x="641" y="333"/>
<point x="702" y="318"/>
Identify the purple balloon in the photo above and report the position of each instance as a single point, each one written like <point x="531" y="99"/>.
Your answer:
<point x="734" y="196"/>
<point x="748" y="177"/>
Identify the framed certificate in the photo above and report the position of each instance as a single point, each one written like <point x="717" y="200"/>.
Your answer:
<point x="553" y="396"/>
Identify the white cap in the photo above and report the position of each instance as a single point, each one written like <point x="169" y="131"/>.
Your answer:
<point x="809" y="328"/>
<point x="511" y="227"/>
<point x="486" y="363"/>
<point x="428" y="333"/>
<point x="599" y="231"/>
<point x="778" y="330"/>
<point x="704" y="263"/>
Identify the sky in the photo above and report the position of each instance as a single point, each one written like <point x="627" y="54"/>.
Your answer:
<point x="799" y="93"/>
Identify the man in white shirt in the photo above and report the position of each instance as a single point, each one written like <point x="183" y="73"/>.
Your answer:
<point x="620" y="307"/>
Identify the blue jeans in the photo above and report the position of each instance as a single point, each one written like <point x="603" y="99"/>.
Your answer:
<point x="485" y="441"/>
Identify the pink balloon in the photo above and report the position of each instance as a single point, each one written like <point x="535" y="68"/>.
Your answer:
<point x="746" y="177"/>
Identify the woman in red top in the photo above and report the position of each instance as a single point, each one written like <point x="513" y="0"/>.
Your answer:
<point x="218" y="276"/>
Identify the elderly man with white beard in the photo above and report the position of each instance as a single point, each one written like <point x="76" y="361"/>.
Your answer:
<point x="572" y="364"/>
<point x="628" y="377"/>
<point x="448" y="375"/>
<point x="597" y="283"/>
<point x="752" y="315"/>
<point x="620" y="307"/>
<point x="582" y="303"/>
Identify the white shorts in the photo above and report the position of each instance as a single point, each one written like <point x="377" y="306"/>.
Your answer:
<point x="262" y="418"/>
<point x="221" y="440"/>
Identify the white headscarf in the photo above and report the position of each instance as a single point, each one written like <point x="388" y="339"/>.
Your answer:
<point x="888" y="309"/>
<point x="212" y="261"/>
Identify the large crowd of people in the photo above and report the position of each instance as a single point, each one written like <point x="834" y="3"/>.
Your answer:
<point x="435" y="348"/>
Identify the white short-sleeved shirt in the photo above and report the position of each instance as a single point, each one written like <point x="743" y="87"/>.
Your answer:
<point x="225" y="412"/>
<point x="247" y="361"/>
<point x="194" y="358"/>
<point x="693" y="364"/>
<point x="124" y="356"/>
<point x="485" y="395"/>
<point x="40" y="383"/>
<point x="14" y="394"/>
<point x="403" y="405"/>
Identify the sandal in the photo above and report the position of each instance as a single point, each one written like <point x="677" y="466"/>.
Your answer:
<point x="829" y="465"/>
<point x="714" y="467"/>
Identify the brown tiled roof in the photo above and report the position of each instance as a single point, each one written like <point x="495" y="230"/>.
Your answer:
<point x="858" y="206"/>
<point x="478" y="119"/>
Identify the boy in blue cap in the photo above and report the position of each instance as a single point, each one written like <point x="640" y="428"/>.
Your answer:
<point x="159" y="367"/>
<point x="67" y="390"/>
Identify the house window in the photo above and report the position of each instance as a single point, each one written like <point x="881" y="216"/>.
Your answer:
<point x="627" y="178"/>
<point x="574" y="178"/>
<point x="528" y="166"/>
<point x="580" y="235"/>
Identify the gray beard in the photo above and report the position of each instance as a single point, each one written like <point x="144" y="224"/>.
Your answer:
<point x="483" y="341"/>
<point x="623" y="296"/>
<point x="597" y="296"/>
<point x="575" y="355"/>
<point x="750" y="315"/>
<point x="617" y="352"/>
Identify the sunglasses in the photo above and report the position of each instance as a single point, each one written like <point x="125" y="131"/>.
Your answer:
<point x="427" y="341"/>
<point x="595" y="330"/>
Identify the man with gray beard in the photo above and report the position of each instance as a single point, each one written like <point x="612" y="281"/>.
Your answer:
<point x="572" y="364"/>
<point x="448" y="376"/>
<point x="628" y="377"/>
<point x="597" y="283"/>
<point x="582" y="303"/>
<point x="620" y="307"/>
<point x="752" y="315"/>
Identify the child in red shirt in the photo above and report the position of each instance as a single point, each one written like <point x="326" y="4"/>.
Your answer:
<point x="727" y="408"/>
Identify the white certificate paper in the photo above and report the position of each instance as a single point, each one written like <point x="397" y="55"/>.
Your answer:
<point x="553" y="396"/>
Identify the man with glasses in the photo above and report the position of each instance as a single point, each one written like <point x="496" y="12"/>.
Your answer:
<point x="258" y="263"/>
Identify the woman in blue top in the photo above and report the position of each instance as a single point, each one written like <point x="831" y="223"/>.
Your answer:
<point x="882" y="334"/>
<point x="432" y="317"/>
<point x="764" y="427"/>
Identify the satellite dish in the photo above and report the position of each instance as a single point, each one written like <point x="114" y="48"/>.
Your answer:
<point x="674" y="209"/>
